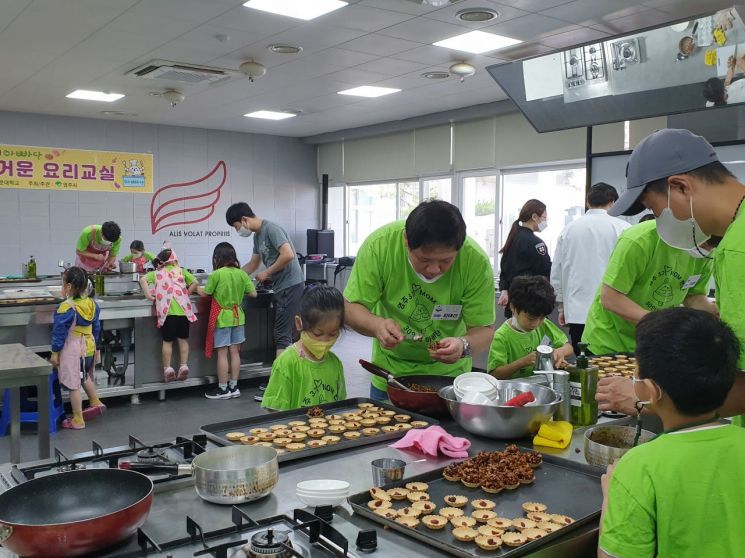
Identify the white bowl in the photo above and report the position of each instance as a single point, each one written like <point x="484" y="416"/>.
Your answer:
<point x="320" y="500"/>
<point x="322" y="485"/>
<point x="475" y="381"/>
<point x="323" y="494"/>
<point x="476" y="398"/>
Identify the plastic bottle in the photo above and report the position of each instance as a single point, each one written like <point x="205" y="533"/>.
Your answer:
<point x="31" y="269"/>
<point x="583" y="383"/>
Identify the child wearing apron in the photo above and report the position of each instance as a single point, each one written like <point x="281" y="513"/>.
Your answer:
<point x="74" y="336"/>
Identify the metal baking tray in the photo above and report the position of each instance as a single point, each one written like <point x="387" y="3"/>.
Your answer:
<point x="216" y="432"/>
<point x="566" y="487"/>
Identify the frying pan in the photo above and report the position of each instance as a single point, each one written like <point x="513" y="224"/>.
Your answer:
<point x="229" y="475"/>
<point x="74" y="513"/>
<point x="425" y="403"/>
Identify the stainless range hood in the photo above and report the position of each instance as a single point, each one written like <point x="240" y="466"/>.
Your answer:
<point x="675" y="68"/>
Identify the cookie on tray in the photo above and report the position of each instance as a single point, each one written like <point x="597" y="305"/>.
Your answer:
<point x="416" y="496"/>
<point x="488" y="542"/>
<point x="402" y="418"/>
<point x="465" y="534"/>
<point x="316" y="432"/>
<point x="266" y="436"/>
<point x="388" y="429"/>
<point x="434" y="522"/>
<point x="452" y="513"/>
<point x="282" y="442"/>
<point x="562" y="520"/>
<point x="548" y="526"/>
<point x="488" y="531"/>
<point x="295" y="446"/>
<point x="331" y="440"/>
<point x="425" y="506"/>
<point x="534" y="534"/>
<point x="456" y="500"/>
<point x="257" y="431"/>
<point x="417" y="486"/>
<point x="316" y="443"/>
<point x="463" y="522"/>
<point x="409" y="512"/>
<point x="249" y="440"/>
<point x="352" y="435"/>
<point x="234" y="436"/>
<point x="514" y="539"/>
<point x="296" y="423"/>
<point x="539" y="517"/>
<point x="380" y="494"/>
<point x="500" y="523"/>
<point x="265" y="444"/>
<point x="371" y="431"/>
<point x="380" y="505"/>
<point x="388" y="513"/>
<point x="275" y="427"/>
<point x="534" y="507"/>
<point x="419" y="424"/>
<point x="482" y="504"/>
<point x="482" y="516"/>
<point x="411" y="522"/>
<point x="398" y="493"/>
<point x="521" y="524"/>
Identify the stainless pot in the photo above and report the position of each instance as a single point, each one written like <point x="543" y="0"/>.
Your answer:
<point x="229" y="475"/>
<point x="601" y="442"/>
<point x="127" y="267"/>
<point x="504" y="422"/>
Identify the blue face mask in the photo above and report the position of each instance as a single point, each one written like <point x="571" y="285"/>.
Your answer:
<point x="245" y="232"/>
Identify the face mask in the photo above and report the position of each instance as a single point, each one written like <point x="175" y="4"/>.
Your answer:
<point x="683" y="235"/>
<point x="318" y="349"/>
<point x="245" y="232"/>
<point x="700" y="253"/>
<point x="640" y="404"/>
<point x="422" y="277"/>
<point x="542" y="225"/>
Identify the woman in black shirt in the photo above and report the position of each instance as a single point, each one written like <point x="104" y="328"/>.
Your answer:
<point x="523" y="252"/>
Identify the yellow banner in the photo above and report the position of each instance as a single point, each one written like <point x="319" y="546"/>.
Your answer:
<point x="57" y="168"/>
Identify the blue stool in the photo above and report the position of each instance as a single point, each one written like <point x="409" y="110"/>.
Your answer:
<point x="29" y="408"/>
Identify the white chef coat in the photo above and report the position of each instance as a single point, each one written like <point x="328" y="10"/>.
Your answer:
<point x="582" y="253"/>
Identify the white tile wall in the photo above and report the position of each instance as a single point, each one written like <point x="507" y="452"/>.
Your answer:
<point x="275" y="175"/>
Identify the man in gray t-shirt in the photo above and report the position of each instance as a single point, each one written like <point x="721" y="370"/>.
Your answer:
<point x="275" y="250"/>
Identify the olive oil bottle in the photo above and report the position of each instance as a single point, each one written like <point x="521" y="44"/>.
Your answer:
<point x="583" y="383"/>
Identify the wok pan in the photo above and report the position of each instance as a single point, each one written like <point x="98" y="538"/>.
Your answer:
<point x="229" y="475"/>
<point x="74" y="513"/>
<point x="425" y="403"/>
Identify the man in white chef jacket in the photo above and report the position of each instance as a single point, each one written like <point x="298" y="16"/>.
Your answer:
<point x="582" y="254"/>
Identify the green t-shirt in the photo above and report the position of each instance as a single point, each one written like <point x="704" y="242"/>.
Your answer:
<point x="652" y="274"/>
<point x="510" y="345"/>
<point x="86" y="235"/>
<point x="149" y="257"/>
<point x="228" y="286"/>
<point x="174" y="309"/>
<point x="298" y="382"/>
<point x="679" y="496"/>
<point x="384" y="282"/>
<point x="729" y="276"/>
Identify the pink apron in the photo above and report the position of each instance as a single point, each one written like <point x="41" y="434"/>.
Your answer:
<point x="140" y="263"/>
<point x="170" y="285"/>
<point x="72" y="355"/>
<point x="89" y="264"/>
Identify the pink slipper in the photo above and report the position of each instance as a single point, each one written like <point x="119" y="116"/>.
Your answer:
<point x="169" y="374"/>
<point x="68" y="423"/>
<point x="94" y="411"/>
<point x="183" y="373"/>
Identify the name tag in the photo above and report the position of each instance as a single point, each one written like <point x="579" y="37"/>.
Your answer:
<point x="691" y="282"/>
<point x="447" y="312"/>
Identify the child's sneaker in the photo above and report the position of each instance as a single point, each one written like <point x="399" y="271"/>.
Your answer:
<point x="183" y="373"/>
<point x="94" y="411"/>
<point x="69" y="423"/>
<point x="234" y="391"/>
<point x="218" y="393"/>
<point x="169" y="374"/>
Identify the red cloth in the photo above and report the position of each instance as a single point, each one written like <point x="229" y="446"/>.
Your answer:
<point x="209" y="343"/>
<point x="433" y="439"/>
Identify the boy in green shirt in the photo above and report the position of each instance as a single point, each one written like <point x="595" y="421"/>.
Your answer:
<point x="308" y="373"/>
<point x="512" y="351"/>
<point x="682" y="494"/>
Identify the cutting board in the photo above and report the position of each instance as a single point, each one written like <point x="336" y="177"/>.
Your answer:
<point x="723" y="54"/>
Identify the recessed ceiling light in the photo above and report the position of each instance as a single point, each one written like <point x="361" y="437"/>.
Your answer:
<point x="477" y="42"/>
<point x="94" y="96"/>
<point x="270" y="114"/>
<point x="285" y="49"/>
<point x="436" y="75"/>
<point x="300" y="9"/>
<point x="477" y="15"/>
<point x="118" y="113"/>
<point x="369" y="91"/>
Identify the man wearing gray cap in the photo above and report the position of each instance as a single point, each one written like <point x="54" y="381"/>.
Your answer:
<point x="694" y="197"/>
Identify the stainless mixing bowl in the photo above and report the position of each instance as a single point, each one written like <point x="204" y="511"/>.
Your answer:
<point x="602" y="455"/>
<point x="504" y="422"/>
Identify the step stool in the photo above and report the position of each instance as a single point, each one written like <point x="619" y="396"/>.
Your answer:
<point x="29" y="408"/>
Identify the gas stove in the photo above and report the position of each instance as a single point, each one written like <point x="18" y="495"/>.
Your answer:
<point x="178" y="452"/>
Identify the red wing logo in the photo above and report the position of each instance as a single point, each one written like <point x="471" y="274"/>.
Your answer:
<point x="187" y="203"/>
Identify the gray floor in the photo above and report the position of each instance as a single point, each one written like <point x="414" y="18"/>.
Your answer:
<point x="183" y="411"/>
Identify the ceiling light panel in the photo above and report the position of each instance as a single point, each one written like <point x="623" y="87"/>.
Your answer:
<point x="300" y="9"/>
<point x="477" y="42"/>
<point x="270" y="115"/>
<point x="102" y="96"/>
<point x="370" y="91"/>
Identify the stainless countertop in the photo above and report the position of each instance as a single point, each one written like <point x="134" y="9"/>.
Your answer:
<point x="16" y="361"/>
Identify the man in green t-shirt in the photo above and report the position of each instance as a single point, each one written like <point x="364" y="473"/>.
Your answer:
<point x="98" y="246"/>
<point x="678" y="175"/>
<point x="680" y="495"/>
<point x="425" y="292"/>
<point x="643" y="275"/>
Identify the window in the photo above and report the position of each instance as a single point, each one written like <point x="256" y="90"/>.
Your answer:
<point x="437" y="188"/>
<point x="369" y="207"/>
<point x="337" y="218"/>
<point x="479" y="211"/>
<point x="408" y="198"/>
<point x="562" y="190"/>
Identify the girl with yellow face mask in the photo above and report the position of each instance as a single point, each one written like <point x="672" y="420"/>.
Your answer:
<point x="308" y="373"/>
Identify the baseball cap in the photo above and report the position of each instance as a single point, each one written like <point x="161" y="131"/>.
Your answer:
<point x="661" y="154"/>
